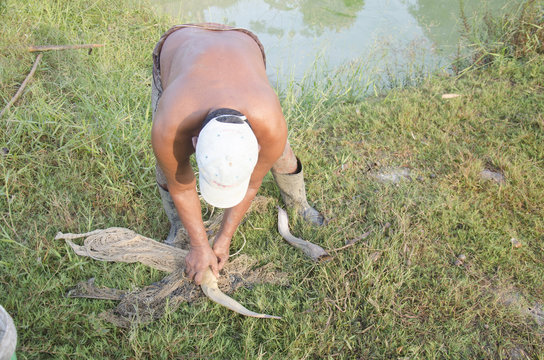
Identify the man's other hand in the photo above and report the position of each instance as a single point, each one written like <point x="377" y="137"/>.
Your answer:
<point x="198" y="260"/>
<point x="221" y="247"/>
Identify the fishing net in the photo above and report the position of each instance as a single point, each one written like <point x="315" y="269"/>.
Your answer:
<point x="151" y="302"/>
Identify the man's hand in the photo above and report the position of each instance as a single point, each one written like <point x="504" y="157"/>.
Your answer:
<point x="198" y="260"/>
<point x="221" y="247"/>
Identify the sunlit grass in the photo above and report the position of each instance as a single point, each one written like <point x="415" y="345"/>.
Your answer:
<point x="79" y="158"/>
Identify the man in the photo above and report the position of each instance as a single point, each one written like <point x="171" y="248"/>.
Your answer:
<point x="211" y="95"/>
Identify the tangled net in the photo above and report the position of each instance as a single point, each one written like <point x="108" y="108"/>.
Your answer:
<point x="148" y="304"/>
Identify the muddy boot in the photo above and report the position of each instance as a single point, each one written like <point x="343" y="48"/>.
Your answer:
<point x="8" y="336"/>
<point x="294" y="195"/>
<point x="172" y="214"/>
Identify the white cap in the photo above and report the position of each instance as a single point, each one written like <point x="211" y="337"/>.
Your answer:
<point x="226" y="154"/>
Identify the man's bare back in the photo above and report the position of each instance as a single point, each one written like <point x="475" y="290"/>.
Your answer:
<point x="223" y="68"/>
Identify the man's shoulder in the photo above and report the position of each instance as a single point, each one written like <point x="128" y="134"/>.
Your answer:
<point x="267" y="120"/>
<point x="177" y="116"/>
<point x="266" y="105"/>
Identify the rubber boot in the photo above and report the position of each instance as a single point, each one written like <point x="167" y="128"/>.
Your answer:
<point x="8" y="336"/>
<point x="294" y="195"/>
<point x="172" y="214"/>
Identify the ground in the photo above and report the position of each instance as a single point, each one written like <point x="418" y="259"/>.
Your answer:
<point x="438" y="276"/>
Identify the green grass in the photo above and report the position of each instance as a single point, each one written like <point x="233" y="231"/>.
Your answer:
<point x="80" y="159"/>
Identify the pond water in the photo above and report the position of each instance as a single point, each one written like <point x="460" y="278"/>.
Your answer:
<point x="305" y="37"/>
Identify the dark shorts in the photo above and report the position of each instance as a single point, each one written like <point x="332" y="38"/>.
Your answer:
<point x="156" y="85"/>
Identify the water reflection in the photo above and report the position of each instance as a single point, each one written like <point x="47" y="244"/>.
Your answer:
<point x="192" y="11"/>
<point x="297" y="32"/>
<point x="322" y="15"/>
<point x="318" y="16"/>
<point x="441" y="19"/>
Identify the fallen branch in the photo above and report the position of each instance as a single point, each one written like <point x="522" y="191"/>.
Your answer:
<point x="312" y="250"/>
<point x="63" y="47"/>
<point x="352" y="242"/>
<point x="23" y="85"/>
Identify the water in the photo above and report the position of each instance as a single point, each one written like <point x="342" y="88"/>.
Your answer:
<point x="387" y="38"/>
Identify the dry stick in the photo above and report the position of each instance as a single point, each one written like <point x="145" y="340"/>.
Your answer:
<point x="38" y="58"/>
<point x="352" y="242"/>
<point x="23" y="85"/>
<point x="63" y="47"/>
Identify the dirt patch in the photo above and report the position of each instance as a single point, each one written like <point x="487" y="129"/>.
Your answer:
<point x="514" y="300"/>
<point x="392" y="175"/>
<point x="493" y="176"/>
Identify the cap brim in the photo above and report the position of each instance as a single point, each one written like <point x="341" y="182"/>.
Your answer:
<point x="222" y="197"/>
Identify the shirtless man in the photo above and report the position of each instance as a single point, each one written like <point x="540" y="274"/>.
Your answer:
<point x="211" y="95"/>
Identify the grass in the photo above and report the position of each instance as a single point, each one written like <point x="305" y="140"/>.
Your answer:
<point x="80" y="158"/>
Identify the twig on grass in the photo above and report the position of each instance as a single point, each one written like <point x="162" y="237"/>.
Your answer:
<point x="63" y="47"/>
<point x="352" y="242"/>
<point x="365" y="330"/>
<point x="23" y="85"/>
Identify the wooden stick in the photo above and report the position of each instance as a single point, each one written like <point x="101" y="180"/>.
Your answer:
<point x="352" y="242"/>
<point x="63" y="47"/>
<point x="23" y="85"/>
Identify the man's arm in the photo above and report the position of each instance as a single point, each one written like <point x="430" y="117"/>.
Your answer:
<point x="173" y="147"/>
<point x="272" y="139"/>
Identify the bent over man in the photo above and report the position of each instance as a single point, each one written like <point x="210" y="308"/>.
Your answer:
<point x="211" y="97"/>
